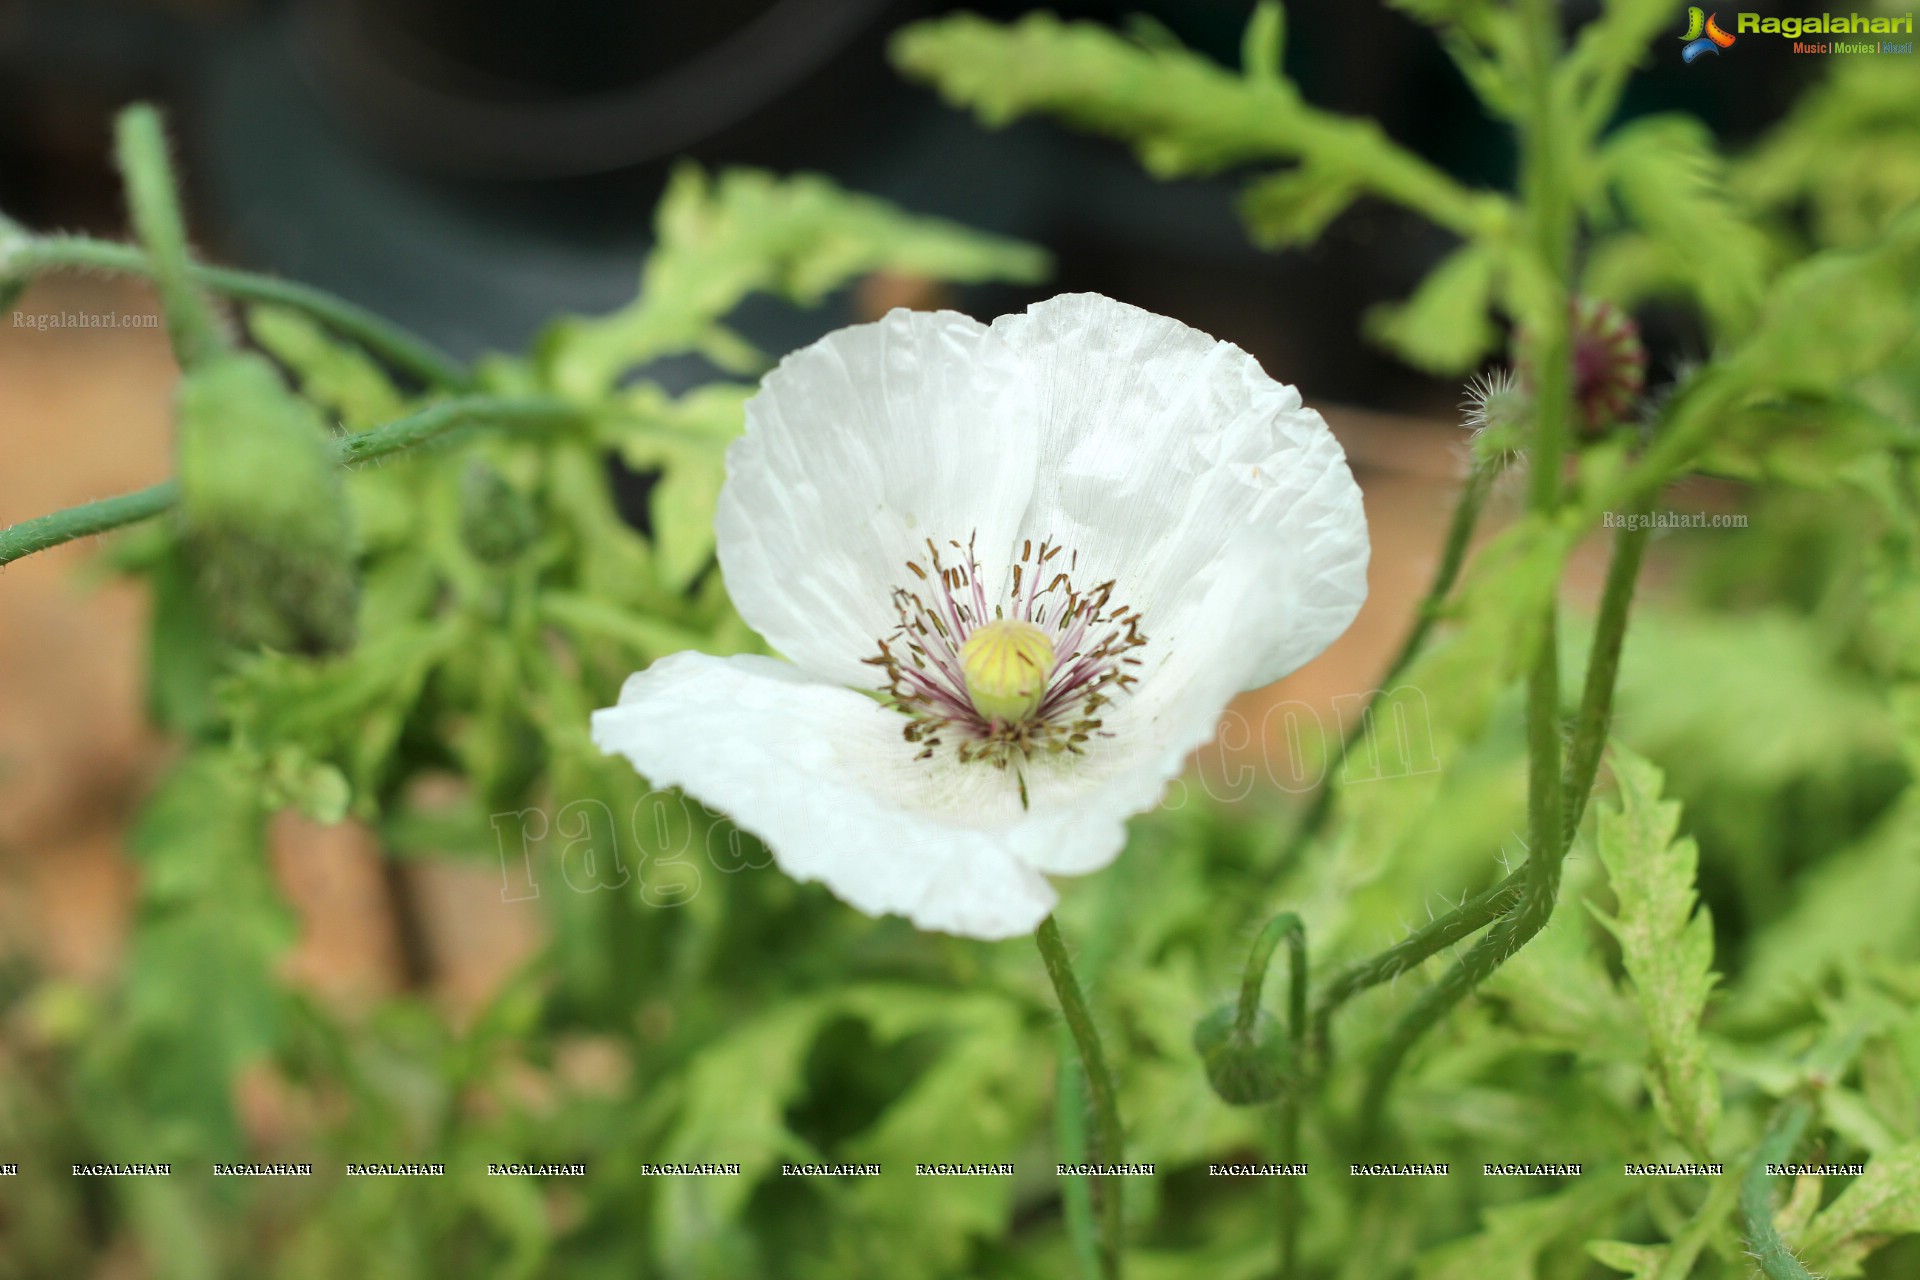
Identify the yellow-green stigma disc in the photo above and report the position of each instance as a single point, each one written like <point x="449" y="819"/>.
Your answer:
<point x="1007" y="664"/>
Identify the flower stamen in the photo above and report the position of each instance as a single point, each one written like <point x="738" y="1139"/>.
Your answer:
<point x="1013" y="680"/>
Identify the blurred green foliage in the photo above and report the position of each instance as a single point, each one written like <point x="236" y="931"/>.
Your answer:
<point x="1772" y="687"/>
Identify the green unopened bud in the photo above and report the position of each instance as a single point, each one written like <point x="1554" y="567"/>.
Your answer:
<point x="1499" y="411"/>
<point x="1007" y="664"/>
<point x="496" y="521"/>
<point x="1246" y="1068"/>
<point x="263" y="512"/>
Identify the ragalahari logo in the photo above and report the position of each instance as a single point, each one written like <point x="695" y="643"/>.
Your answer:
<point x="1703" y="35"/>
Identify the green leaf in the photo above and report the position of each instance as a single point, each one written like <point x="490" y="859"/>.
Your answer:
<point x="201" y="997"/>
<point x="1444" y="328"/>
<point x="1181" y="112"/>
<point x="332" y="373"/>
<point x="719" y="240"/>
<point x="1884" y="1201"/>
<point x="1825" y="930"/>
<point x="1637" y="1261"/>
<point x="1666" y="947"/>
<point x="1621" y="38"/>
<point x="1805" y="440"/>
<point x="1672" y="183"/>
<point x="1263" y="44"/>
<point x="1294" y="207"/>
<point x="1838" y="316"/>
<point x="1850" y="149"/>
<point x="1511" y="1245"/>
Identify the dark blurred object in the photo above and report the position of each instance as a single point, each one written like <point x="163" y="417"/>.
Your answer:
<point x="471" y="167"/>
<point x="568" y="87"/>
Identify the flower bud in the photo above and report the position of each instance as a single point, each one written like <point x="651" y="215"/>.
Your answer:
<point x="496" y="521"/>
<point x="1609" y="363"/>
<point x="1245" y="1068"/>
<point x="263" y="512"/>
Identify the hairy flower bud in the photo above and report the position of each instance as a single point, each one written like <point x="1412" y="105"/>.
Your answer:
<point x="496" y="521"/>
<point x="1609" y="363"/>
<point x="1245" y="1068"/>
<point x="262" y="510"/>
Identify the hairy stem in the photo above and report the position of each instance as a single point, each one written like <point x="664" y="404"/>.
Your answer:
<point x="154" y="205"/>
<point x="1756" y="1205"/>
<point x="437" y="422"/>
<point x="1106" y="1147"/>
<point x="1547" y="198"/>
<point x="404" y="351"/>
<point x="1453" y="554"/>
<point x="1070" y="1135"/>
<point x="1289" y="928"/>
<point x="1468" y="918"/>
<point x="1603" y="674"/>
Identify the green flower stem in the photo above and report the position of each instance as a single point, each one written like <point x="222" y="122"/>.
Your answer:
<point x="1106" y="1147"/>
<point x="154" y="204"/>
<point x="1289" y="928"/>
<point x="1686" y="423"/>
<point x="1070" y="1136"/>
<point x="1547" y="192"/>
<point x="407" y="353"/>
<point x="83" y="521"/>
<point x="1285" y="927"/>
<point x="1468" y="918"/>
<point x="1453" y="554"/>
<point x="437" y="422"/>
<point x="1481" y="960"/>
<point x="1603" y="674"/>
<point x="1756" y="1205"/>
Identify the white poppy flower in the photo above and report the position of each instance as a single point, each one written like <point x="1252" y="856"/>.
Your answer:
<point x="1053" y="547"/>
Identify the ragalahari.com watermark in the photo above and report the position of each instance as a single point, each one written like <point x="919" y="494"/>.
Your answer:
<point x="1631" y="520"/>
<point x="49" y="321"/>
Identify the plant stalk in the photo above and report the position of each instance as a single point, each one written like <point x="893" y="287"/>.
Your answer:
<point x="1289" y="928"/>
<point x="1756" y="1206"/>
<point x="1107" y="1143"/>
<point x="153" y="202"/>
<point x="404" y="351"/>
<point x="437" y="422"/>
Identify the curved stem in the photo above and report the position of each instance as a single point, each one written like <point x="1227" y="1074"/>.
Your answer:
<point x="1469" y="917"/>
<point x="1453" y="553"/>
<point x="437" y="422"/>
<point x="1548" y="203"/>
<point x="1603" y="674"/>
<point x="1106" y="1147"/>
<point x="1289" y="928"/>
<point x="406" y="352"/>
<point x="154" y="204"/>
<point x="1756" y="1207"/>
<point x="1530" y="892"/>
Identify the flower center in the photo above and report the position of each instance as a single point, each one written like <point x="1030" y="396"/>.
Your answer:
<point x="1006" y="664"/>
<point x="1006" y="681"/>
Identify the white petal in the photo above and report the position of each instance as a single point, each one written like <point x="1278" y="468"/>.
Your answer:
<point x="1073" y="826"/>
<point x="857" y="450"/>
<point x="823" y="776"/>
<point x="1174" y="465"/>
